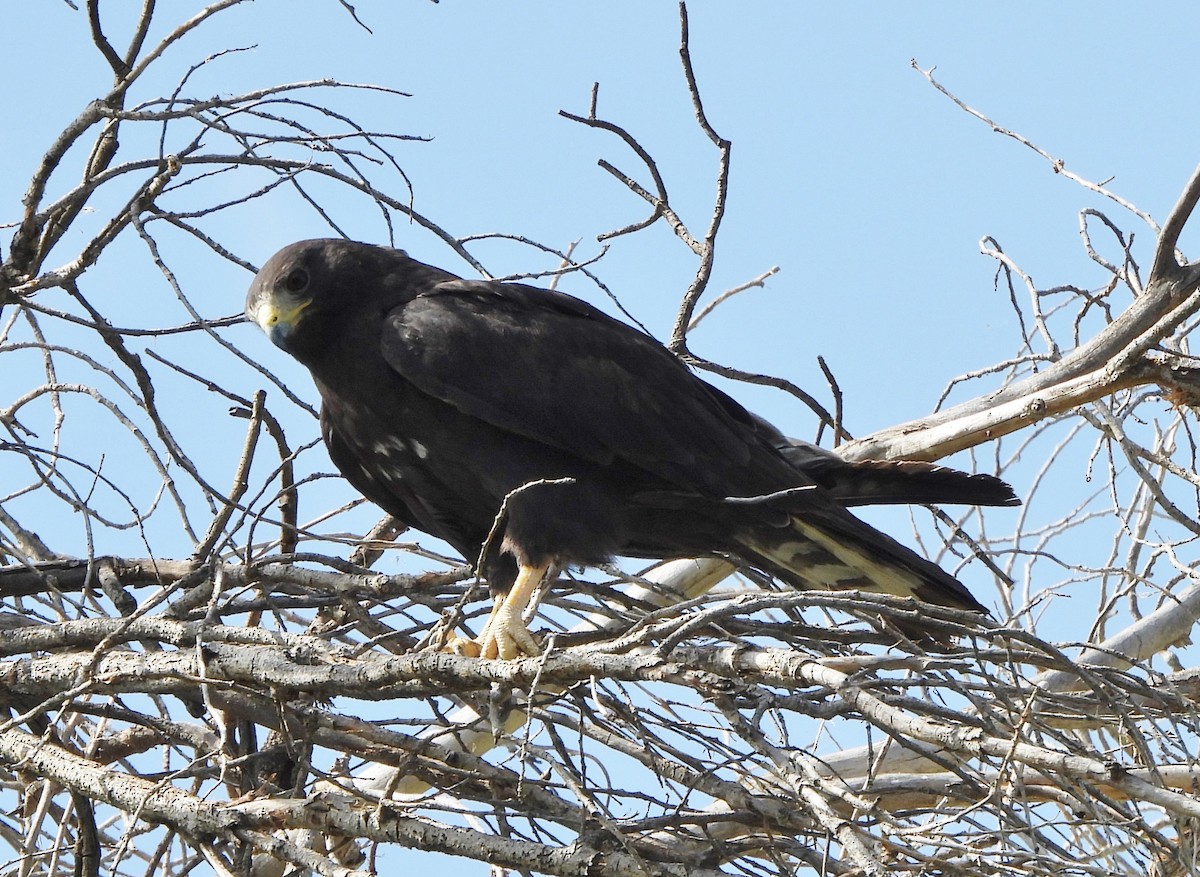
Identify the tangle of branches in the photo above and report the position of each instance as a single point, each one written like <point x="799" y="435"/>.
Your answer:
<point x="202" y="666"/>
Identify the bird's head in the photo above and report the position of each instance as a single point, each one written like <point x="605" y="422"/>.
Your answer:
<point x="308" y="292"/>
<point x="284" y="291"/>
<point x="298" y="294"/>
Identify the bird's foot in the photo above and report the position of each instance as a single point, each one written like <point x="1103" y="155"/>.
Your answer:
<point x="505" y="636"/>
<point x="467" y="648"/>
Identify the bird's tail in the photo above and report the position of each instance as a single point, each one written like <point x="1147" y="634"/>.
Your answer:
<point x="881" y="482"/>
<point x="830" y="549"/>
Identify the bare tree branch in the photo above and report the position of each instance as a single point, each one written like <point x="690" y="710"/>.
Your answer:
<point x="693" y="717"/>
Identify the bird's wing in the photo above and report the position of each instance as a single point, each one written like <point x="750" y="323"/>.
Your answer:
<point x="554" y="369"/>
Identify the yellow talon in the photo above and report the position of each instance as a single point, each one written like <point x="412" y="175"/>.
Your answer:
<point x="505" y="635"/>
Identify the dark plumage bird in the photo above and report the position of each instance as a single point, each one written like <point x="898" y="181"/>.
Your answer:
<point x="470" y="407"/>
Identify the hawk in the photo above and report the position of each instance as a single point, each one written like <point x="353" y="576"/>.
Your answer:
<point x="531" y="430"/>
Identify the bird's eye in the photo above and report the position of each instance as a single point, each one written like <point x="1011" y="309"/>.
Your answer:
<point x="296" y="280"/>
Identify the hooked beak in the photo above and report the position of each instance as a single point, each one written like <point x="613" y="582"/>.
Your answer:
<point x="277" y="319"/>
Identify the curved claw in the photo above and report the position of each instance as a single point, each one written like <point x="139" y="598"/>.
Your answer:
<point x="467" y="648"/>
<point x="505" y="635"/>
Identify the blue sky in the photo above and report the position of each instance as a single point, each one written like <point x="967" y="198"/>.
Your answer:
<point x="868" y="189"/>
